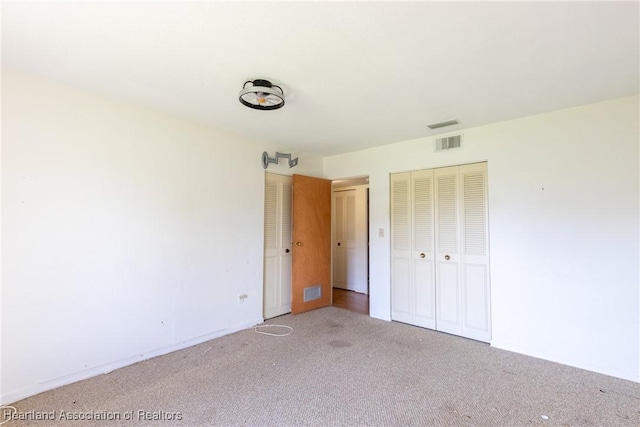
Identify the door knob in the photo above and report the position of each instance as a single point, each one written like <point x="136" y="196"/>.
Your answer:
<point x="339" y="243"/>
<point x="447" y="257"/>
<point x="287" y="250"/>
<point x="298" y="243"/>
<point x="422" y="255"/>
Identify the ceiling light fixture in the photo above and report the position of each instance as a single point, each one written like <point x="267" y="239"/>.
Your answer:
<point x="261" y="95"/>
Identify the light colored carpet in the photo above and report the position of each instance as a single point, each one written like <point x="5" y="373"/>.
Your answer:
<point x="342" y="368"/>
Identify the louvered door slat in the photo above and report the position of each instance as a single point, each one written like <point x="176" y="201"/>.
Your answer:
<point x="271" y="215"/>
<point x="474" y="234"/>
<point x="401" y="224"/>
<point x="285" y="241"/>
<point x="423" y="220"/>
<point x="447" y="213"/>
<point x="339" y="217"/>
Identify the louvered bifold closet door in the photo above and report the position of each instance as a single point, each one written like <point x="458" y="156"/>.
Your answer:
<point x="422" y="254"/>
<point x="474" y="261"/>
<point x="440" y="250"/>
<point x="447" y="251"/>
<point x="413" y="293"/>
<point x="401" y="283"/>
<point x="277" y="246"/>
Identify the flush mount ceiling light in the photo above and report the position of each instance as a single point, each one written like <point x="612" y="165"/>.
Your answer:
<point x="262" y="95"/>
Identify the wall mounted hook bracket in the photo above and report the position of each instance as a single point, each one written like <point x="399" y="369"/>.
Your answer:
<point x="266" y="159"/>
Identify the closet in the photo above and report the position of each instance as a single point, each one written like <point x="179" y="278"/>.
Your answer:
<point x="440" y="250"/>
<point x="277" y="245"/>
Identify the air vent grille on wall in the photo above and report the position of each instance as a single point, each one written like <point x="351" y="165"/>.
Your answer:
<point x="448" y="142"/>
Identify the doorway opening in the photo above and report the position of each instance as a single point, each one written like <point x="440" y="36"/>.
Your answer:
<point x="296" y="241"/>
<point x="350" y="244"/>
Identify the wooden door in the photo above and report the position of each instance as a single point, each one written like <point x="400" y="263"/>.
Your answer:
<point x="311" y="270"/>
<point x="277" y="246"/>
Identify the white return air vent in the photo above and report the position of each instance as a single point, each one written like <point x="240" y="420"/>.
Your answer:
<point x="448" y="142"/>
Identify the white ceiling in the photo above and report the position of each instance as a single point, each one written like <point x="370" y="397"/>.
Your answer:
<point x="355" y="75"/>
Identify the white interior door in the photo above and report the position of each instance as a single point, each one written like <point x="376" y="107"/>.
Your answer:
<point x="401" y="276"/>
<point x="413" y="294"/>
<point x="474" y="257"/>
<point x="422" y="254"/>
<point x="339" y="244"/>
<point x="447" y="256"/>
<point x="277" y="246"/>
<point x="350" y="262"/>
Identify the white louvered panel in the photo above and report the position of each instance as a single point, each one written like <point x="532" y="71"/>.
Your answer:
<point x="423" y="223"/>
<point x="339" y="217"/>
<point x="277" y="261"/>
<point x="447" y="214"/>
<point x="474" y="226"/>
<point x="400" y="213"/>
<point x="402" y="287"/>
<point x="286" y="215"/>
<point x="351" y="216"/>
<point x="271" y="215"/>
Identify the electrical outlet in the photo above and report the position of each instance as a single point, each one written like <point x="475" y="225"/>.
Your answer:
<point x="242" y="297"/>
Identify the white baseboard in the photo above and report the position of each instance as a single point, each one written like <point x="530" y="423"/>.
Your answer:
<point x="25" y="392"/>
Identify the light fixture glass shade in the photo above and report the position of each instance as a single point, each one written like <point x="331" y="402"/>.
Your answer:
<point x="262" y="95"/>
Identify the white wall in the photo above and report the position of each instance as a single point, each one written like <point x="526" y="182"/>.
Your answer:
<point x="127" y="233"/>
<point x="563" y="212"/>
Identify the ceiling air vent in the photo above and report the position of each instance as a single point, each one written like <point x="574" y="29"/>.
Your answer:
<point x="448" y="142"/>
<point x="443" y="124"/>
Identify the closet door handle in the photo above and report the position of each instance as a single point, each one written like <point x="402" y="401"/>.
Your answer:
<point x="287" y="250"/>
<point x="447" y="257"/>
<point x="422" y="255"/>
